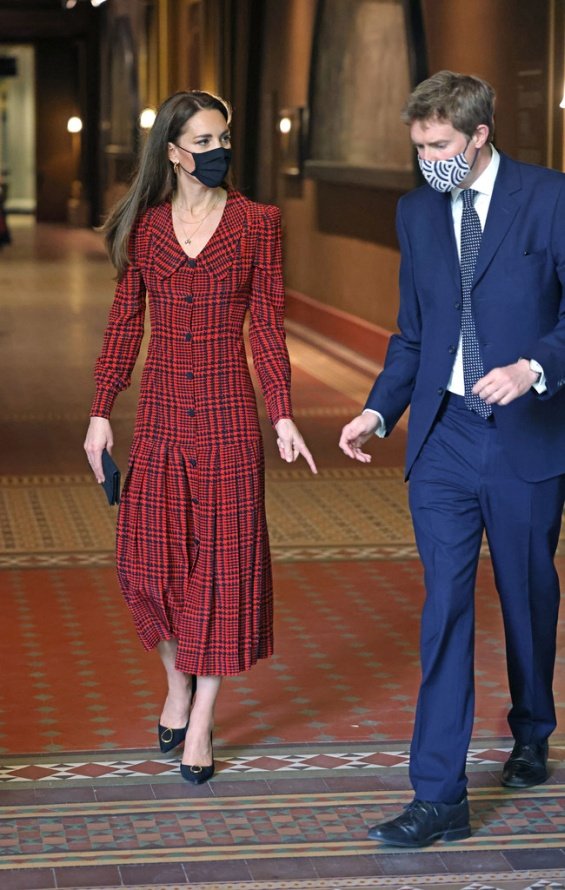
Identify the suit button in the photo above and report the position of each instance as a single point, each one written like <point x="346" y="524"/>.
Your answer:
<point x="188" y="337"/>
<point x="192" y="263"/>
<point x="457" y="305"/>
<point x="196" y="541"/>
<point x="191" y="412"/>
<point x="195" y="501"/>
<point x="452" y="349"/>
<point x="189" y="298"/>
<point x="189" y="375"/>
<point x="192" y="462"/>
<point x="440" y="390"/>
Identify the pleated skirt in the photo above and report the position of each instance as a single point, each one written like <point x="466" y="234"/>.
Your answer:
<point x="193" y="553"/>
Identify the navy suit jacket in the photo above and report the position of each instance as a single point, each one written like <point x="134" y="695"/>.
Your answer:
<point x="518" y="304"/>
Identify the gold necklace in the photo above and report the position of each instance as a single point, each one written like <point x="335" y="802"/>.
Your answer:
<point x="206" y="215"/>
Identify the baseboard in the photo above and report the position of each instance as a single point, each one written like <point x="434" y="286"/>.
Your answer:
<point x="364" y="337"/>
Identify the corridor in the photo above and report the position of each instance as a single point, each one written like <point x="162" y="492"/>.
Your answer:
<point x="311" y="745"/>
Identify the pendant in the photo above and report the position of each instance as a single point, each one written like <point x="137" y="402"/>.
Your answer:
<point x="187" y="241"/>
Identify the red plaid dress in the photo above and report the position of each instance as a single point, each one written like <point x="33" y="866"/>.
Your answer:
<point x="192" y="544"/>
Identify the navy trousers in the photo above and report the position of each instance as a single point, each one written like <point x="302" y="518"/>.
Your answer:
<point x="461" y="485"/>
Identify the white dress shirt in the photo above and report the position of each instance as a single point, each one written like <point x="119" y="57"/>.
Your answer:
<point x="484" y="187"/>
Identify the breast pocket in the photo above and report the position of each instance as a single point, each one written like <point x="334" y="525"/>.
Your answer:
<point x="526" y="262"/>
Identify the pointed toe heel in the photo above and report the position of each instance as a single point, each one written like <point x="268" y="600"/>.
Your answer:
<point x="197" y="775"/>
<point x="169" y="738"/>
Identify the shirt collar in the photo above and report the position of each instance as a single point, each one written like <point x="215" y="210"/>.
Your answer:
<point x="484" y="184"/>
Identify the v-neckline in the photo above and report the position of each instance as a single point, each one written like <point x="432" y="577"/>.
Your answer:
<point x="212" y="236"/>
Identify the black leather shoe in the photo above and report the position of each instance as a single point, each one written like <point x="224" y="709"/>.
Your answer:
<point x="526" y="766"/>
<point x="424" y="822"/>
<point x="170" y="738"/>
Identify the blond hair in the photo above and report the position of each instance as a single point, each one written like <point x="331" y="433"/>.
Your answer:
<point x="462" y="99"/>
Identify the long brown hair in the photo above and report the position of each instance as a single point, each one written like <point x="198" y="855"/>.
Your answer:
<point x="154" y="180"/>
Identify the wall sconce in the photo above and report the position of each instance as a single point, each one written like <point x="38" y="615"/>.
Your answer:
<point x="74" y="125"/>
<point x="147" y="118"/>
<point x="291" y="127"/>
<point x="77" y="207"/>
<point x="562" y="103"/>
<point x="70" y="4"/>
<point x="285" y="125"/>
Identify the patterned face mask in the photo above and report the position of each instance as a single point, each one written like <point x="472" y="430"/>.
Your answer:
<point x="448" y="173"/>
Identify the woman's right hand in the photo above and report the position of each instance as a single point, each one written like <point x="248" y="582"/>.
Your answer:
<point x="98" y="437"/>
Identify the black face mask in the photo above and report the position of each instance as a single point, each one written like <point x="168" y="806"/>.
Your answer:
<point x="211" y="166"/>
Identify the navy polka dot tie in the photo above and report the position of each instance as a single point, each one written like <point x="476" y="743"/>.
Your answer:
<point x="472" y="362"/>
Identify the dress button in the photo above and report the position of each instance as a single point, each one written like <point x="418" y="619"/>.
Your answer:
<point x="188" y="337"/>
<point x="457" y="305"/>
<point x="195" y="500"/>
<point x="440" y="390"/>
<point x="196" y="541"/>
<point x="191" y="412"/>
<point x="189" y="298"/>
<point x="192" y="263"/>
<point x="192" y="461"/>
<point x="189" y="375"/>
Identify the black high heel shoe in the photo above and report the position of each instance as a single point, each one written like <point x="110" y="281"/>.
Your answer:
<point x="197" y="775"/>
<point x="169" y="738"/>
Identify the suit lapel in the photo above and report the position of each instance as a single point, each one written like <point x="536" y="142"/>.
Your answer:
<point x="504" y="205"/>
<point x="441" y="229"/>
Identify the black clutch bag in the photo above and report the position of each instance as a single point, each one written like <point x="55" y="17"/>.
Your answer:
<point x="111" y="484"/>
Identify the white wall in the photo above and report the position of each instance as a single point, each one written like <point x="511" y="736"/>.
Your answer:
<point x="17" y="129"/>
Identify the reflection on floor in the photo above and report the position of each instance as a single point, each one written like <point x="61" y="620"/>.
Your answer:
<point x="312" y="745"/>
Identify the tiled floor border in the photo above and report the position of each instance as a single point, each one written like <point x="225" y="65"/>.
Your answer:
<point x="105" y="558"/>
<point x="542" y="879"/>
<point x="312" y="760"/>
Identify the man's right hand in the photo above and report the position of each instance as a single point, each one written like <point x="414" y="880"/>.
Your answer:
<point x="98" y="437"/>
<point x="356" y="433"/>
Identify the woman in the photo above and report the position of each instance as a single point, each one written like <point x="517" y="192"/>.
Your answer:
<point x="192" y="545"/>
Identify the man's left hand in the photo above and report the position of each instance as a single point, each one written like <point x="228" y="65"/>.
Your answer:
<point x="502" y="385"/>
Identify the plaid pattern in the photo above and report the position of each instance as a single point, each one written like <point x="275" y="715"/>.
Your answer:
<point x="192" y="543"/>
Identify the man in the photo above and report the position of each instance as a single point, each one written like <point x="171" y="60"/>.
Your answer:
<point x="480" y="358"/>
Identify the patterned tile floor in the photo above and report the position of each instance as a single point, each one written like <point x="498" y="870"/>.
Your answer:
<point x="62" y="520"/>
<point x="312" y="745"/>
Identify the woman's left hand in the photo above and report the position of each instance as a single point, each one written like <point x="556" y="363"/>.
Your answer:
<point x="291" y="443"/>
